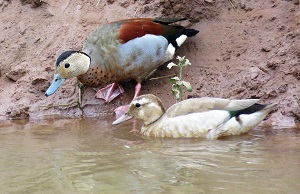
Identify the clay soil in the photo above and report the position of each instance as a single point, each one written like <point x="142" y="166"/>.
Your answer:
<point x="245" y="49"/>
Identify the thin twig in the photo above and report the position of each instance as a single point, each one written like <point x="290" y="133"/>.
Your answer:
<point x="154" y="78"/>
<point x="98" y="2"/>
<point x="135" y="12"/>
<point x="230" y="1"/>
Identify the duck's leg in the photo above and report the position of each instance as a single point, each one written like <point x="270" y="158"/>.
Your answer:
<point x="80" y="85"/>
<point x="121" y="110"/>
<point x="134" y="129"/>
<point x="137" y="90"/>
<point x="110" y="92"/>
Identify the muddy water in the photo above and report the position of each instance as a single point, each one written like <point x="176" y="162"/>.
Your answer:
<point x="91" y="156"/>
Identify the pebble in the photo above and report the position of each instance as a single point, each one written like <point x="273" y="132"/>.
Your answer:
<point x="266" y="49"/>
<point x="79" y="7"/>
<point x="15" y="75"/>
<point x="283" y="88"/>
<point x="243" y="4"/>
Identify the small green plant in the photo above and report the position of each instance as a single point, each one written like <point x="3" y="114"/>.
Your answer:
<point x="177" y="82"/>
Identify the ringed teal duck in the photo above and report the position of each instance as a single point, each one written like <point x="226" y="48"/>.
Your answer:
<point x="120" y="51"/>
<point x="205" y="117"/>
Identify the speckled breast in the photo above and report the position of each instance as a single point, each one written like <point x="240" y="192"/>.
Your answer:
<point x="97" y="77"/>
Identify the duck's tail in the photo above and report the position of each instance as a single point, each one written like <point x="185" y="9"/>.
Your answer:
<point x="186" y="31"/>
<point x="242" y="121"/>
<point x="254" y="108"/>
<point x="175" y="34"/>
<point x="190" y="32"/>
<point x="252" y="116"/>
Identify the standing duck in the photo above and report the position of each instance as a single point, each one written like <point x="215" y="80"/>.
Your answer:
<point x="206" y="117"/>
<point x="120" y="51"/>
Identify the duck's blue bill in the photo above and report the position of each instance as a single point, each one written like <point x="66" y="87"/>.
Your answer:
<point x="56" y="83"/>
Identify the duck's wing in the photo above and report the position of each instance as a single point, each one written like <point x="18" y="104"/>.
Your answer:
<point x="135" y="28"/>
<point x="194" y="105"/>
<point x="145" y="44"/>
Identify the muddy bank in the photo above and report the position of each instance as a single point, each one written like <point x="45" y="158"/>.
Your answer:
<point x="247" y="49"/>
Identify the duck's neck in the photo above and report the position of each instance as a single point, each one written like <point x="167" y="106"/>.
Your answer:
<point x="97" y="75"/>
<point x="146" y="123"/>
<point x="154" y="117"/>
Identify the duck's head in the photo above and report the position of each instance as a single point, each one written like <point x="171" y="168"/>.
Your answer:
<point x="147" y="108"/>
<point x="69" y="64"/>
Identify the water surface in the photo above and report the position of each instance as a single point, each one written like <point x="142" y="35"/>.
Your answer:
<point x="92" y="156"/>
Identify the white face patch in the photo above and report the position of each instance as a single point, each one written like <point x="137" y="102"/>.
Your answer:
<point x="180" y="40"/>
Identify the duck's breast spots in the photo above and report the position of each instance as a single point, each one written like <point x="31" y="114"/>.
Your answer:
<point x="96" y="77"/>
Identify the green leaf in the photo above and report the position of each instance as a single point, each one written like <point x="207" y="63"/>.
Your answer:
<point x="174" y="87"/>
<point x="187" y="85"/>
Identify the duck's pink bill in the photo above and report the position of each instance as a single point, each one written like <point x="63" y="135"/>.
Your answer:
<point x="122" y="118"/>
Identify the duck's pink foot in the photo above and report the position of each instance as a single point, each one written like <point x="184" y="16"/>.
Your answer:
<point x="134" y="130"/>
<point x="110" y="92"/>
<point x="121" y="110"/>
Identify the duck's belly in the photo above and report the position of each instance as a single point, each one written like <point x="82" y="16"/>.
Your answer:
<point x="188" y="126"/>
<point x="140" y="57"/>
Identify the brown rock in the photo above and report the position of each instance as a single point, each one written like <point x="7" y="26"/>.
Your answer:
<point x="125" y="3"/>
<point x="266" y="48"/>
<point x="273" y="65"/>
<point x="40" y="84"/>
<point x="33" y="3"/>
<point x="177" y="8"/>
<point x="296" y="73"/>
<point x="15" y="74"/>
<point x="18" y="112"/>
<point x="283" y="88"/>
<point x="110" y="1"/>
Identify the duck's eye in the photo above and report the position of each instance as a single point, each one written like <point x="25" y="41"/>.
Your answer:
<point x="67" y="65"/>
<point x="137" y="105"/>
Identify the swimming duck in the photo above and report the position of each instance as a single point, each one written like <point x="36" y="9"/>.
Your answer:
<point x="120" y="51"/>
<point x="205" y="117"/>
